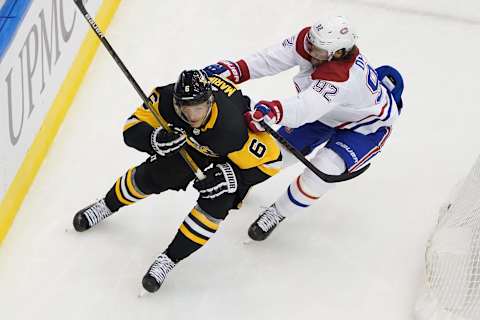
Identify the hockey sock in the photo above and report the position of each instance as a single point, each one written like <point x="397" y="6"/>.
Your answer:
<point x="295" y="198"/>
<point x="307" y="187"/>
<point x="124" y="192"/>
<point x="197" y="228"/>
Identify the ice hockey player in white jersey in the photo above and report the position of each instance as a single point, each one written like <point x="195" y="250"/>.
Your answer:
<point x="342" y="102"/>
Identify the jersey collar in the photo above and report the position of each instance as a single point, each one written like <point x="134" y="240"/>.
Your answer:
<point x="213" y="118"/>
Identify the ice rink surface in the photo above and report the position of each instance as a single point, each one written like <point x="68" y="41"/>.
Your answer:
<point x="356" y="254"/>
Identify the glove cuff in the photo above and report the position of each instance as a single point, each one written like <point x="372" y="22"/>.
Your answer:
<point x="272" y="109"/>
<point x="278" y="109"/>
<point x="233" y="68"/>
<point x="153" y="141"/>
<point x="244" y="71"/>
<point x="230" y="177"/>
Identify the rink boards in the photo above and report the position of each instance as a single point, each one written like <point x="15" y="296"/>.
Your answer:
<point x="46" y="55"/>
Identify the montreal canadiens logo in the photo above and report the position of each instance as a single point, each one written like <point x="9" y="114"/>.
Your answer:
<point x="344" y="30"/>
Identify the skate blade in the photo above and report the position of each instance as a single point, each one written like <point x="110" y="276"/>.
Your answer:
<point x="143" y="293"/>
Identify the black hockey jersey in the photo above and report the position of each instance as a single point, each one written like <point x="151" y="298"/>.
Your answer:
<point x="223" y="136"/>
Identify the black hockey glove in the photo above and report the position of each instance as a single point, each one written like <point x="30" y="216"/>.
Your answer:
<point x="166" y="143"/>
<point x="219" y="180"/>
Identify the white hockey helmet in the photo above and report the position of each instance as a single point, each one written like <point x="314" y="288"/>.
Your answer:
<point x="328" y="36"/>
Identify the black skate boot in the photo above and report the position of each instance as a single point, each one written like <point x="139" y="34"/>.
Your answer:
<point x="264" y="225"/>
<point x="153" y="279"/>
<point x="91" y="215"/>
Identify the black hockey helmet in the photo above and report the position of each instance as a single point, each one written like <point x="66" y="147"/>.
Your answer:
<point x="191" y="88"/>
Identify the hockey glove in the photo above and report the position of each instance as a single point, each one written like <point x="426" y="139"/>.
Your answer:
<point x="219" y="179"/>
<point x="226" y="69"/>
<point x="166" y="143"/>
<point x="269" y="111"/>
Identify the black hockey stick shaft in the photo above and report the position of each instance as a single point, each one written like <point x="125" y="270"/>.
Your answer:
<point x="196" y="170"/>
<point x="322" y="175"/>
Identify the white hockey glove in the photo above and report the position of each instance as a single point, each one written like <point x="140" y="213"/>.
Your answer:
<point x="219" y="180"/>
<point x="166" y="143"/>
<point x="226" y="69"/>
<point x="269" y="111"/>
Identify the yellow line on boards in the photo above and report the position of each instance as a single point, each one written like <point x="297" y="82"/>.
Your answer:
<point x="18" y="189"/>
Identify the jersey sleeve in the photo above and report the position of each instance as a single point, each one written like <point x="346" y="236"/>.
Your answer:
<point x="311" y="104"/>
<point x="259" y="151"/>
<point x="276" y="58"/>
<point x="139" y="126"/>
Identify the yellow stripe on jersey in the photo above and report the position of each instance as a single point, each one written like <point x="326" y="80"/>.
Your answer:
<point x="201" y="217"/>
<point x="130" y="123"/>
<point x="119" y="195"/>
<point x="144" y="114"/>
<point x="268" y="170"/>
<point x="191" y="236"/>
<point x="131" y="187"/>
<point x="259" y="149"/>
<point x="213" y="118"/>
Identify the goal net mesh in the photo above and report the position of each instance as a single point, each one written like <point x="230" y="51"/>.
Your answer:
<point x="452" y="286"/>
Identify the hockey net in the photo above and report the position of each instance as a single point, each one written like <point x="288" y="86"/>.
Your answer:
<point x="452" y="286"/>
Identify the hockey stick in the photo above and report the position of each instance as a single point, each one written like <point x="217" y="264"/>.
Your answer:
<point x="325" y="177"/>
<point x="196" y="170"/>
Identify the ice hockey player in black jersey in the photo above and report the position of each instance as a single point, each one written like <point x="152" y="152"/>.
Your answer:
<point x="206" y="115"/>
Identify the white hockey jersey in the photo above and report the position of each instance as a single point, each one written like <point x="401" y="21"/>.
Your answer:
<point x="343" y="94"/>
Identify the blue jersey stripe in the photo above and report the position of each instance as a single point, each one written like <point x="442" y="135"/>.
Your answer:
<point x="390" y="104"/>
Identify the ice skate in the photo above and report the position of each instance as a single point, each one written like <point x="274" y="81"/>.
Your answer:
<point x="156" y="274"/>
<point x="91" y="215"/>
<point x="265" y="224"/>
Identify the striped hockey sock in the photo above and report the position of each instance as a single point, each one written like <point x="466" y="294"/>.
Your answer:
<point x="197" y="228"/>
<point x="296" y="197"/>
<point x="124" y="192"/>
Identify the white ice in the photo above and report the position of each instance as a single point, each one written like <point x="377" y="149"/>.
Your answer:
<point x="356" y="254"/>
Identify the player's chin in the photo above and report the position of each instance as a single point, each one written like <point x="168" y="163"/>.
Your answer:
<point x="196" y="124"/>
<point x="316" y="62"/>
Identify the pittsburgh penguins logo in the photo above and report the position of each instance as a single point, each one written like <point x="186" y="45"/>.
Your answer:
<point x="202" y="149"/>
